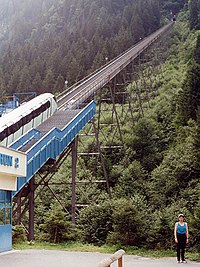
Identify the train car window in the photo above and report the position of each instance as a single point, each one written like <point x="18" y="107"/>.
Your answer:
<point x="43" y="107"/>
<point x="4" y="132"/>
<point x="11" y="129"/>
<point x="15" y="127"/>
<point x="48" y="104"/>
<point x="37" y="112"/>
<point x="29" y="117"/>
<point x="20" y="123"/>
<point x="32" y="115"/>
<point x="8" y="131"/>
<point x="3" y="135"/>
<point x="24" y="120"/>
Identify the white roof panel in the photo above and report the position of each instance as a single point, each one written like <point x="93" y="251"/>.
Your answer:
<point x="25" y="109"/>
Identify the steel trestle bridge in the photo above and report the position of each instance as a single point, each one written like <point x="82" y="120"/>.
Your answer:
<point x="53" y="137"/>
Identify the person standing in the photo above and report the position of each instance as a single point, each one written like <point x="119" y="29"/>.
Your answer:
<point x="181" y="238"/>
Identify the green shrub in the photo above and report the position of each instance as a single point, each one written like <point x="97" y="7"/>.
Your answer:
<point x="128" y="221"/>
<point x="57" y="226"/>
<point x="95" y="222"/>
<point x="18" y="233"/>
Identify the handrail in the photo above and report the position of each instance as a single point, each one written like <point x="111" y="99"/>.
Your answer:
<point x="54" y="142"/>
<point x="82" y="90"/>
<point x="25" y="139"/>
<point x="114" y="257"/>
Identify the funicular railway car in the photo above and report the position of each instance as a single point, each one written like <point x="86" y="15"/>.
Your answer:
<point x="26" y="117"/>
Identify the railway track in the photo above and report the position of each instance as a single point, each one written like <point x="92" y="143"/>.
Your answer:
<point x="87" y="87"/>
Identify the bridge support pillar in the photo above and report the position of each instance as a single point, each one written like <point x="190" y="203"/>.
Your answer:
<point x="31" y="210"/>
<point x="18" y="221"/>
<point x="74" y="161"/>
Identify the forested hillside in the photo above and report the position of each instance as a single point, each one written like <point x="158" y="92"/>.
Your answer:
<point x="159" y="176"/>
<point x="45" y="42"/>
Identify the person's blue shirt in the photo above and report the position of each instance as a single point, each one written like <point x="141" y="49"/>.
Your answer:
<point x="181" y="229"/>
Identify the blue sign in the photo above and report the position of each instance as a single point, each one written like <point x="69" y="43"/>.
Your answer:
<point x="6" y="160"/>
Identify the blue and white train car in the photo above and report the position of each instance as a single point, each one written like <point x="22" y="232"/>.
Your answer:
<point x="26" y="117"/>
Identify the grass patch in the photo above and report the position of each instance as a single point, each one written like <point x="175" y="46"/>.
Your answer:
<point x="82" y="247"/>
<point x="69" y="246"/>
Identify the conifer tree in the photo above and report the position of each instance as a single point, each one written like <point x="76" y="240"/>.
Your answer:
<point x="197" y="51"/>
<point x="37" y="83"/>
<point x="194" y="14"/>
<point x="66" y="36"/>
<point x="49" y="81"/>
<point x="189" y="100"/>
<point x="59" y="85"/>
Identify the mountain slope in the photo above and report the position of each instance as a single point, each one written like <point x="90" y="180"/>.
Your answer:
<point x="44" y="43"/>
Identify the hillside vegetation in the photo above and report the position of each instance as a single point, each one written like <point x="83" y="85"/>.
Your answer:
<point x="159" y="176"/>
<point x="43" y="44"/>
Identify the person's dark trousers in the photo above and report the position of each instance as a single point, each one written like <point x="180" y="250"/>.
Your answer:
<point x="181" y="246"/>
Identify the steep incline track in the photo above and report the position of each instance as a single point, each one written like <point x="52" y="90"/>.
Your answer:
<point x="78" y="93"/>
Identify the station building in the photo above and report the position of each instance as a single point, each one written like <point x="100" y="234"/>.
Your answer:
<point x="12" y="165"/>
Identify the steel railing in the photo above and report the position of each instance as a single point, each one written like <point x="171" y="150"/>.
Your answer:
<point x="79" y="92"/>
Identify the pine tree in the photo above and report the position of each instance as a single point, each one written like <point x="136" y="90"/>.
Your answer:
<point x="56" y="226"/>
<point x="25" y="80"/>
<point x="197" y="51"/>
<point x="194" y="14"/>
<point x="48" y="82"/>
<point x="137" y="28"/>
<point x="189" y="99"/>
<point x="37" y="83"/>
<point x="59" y="85"/>
<point x="197" y="142"/>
